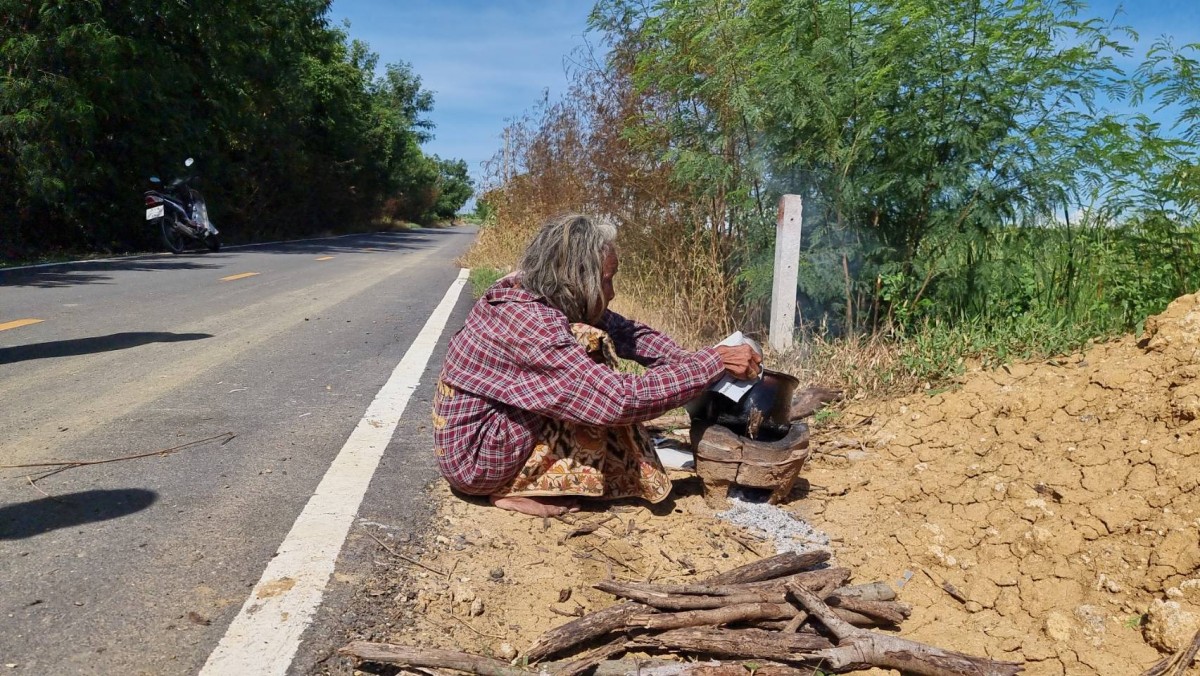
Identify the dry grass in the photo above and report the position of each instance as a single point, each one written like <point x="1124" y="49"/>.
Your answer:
<point x="859" y="366"/>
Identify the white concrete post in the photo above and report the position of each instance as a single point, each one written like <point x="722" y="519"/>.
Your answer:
<point x="787" y="267"/>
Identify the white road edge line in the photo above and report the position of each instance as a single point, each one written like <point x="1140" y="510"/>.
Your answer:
<point x="264" y="637"/>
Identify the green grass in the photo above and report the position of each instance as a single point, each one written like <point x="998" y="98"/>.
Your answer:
<point x="824" y="417"/>
<point x="1134" y="621"/>
<point x="482" y="279"/>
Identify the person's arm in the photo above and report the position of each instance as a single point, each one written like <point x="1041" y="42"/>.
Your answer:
<point x="561" y="381"/>
<point x="638" y="342"/>
<point x="538" y="366"/>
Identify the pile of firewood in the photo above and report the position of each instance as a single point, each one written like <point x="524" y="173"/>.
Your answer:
<point x="780" y="615"/>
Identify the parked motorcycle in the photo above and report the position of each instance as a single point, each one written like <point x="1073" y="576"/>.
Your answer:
<point x="181" y="213"/>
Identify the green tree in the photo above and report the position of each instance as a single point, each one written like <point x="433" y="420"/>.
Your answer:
<point x="291" y="127"/>
<point x="454" y="188"/>
<point x="904" y="123"/>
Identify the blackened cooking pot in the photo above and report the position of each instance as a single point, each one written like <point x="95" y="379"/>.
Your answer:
<point x="762" y="413"/>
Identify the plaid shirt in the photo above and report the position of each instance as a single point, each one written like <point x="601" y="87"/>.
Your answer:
<point x="515" y="363"/>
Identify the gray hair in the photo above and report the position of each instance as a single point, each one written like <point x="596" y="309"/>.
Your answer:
<point x="564" y="264"/>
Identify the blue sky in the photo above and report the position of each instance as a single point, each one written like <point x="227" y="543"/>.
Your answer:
<point x="485" y="62"/>
<point x="489" y="61"/>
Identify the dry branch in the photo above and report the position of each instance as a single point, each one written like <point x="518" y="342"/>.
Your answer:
<point x="882" y="612"/>
<point x="56" y="466"/>
<point x="614" y="618"/>
<point x="1177" y="664"/>
<point x="409" y="656"/>
<point x="738" y="612"/>
<point x="390" y="653"/>
<point x="871" y="591"/>
<point x="811" y="400"/>
<point x="889" y="612"/>
<point x="586" y="628"/>
<point x="857" y="648"/>
<point x="415" y="657"/>
<point x="591" y="659"/>
<point x="733" y="643"/>
<point x="402" y="557"/>
<point x="813" y="579"/>
<point x="586" y="529"/>
<point x="669" y="422"/>
<point x="772" y="567"/>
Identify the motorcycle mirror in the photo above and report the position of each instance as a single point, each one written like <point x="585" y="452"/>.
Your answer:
<point x="155" y="179"/>
<point x="188" y="162"/>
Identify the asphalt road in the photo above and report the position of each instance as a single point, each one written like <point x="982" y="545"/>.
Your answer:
<point x="138" y="566"/>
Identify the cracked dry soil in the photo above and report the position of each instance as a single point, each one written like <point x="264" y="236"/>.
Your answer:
<point x="1060" y="498"/>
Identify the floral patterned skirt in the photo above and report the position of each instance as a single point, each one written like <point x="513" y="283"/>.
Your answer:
<point x="595" y="462"/>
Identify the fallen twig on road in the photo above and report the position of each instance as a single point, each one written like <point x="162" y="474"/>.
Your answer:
<point x="63" y="465"/>
<point x="402" y="557"/>
<point x="39" y="489"/>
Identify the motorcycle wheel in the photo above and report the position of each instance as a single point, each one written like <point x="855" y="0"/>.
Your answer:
<point x="172" y="235"/>
<point x="213" y="242"/>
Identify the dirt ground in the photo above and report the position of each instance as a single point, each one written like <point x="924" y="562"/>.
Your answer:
<point x="1061" y="498"/>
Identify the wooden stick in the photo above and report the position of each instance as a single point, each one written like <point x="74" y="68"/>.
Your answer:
<point x="669" y="422"/>
<point x="226" y="437"/>
<point x="772" y="567"/>
<point x="586" y="529"/>
<point x="586" y="628"/>
<point x="1177" y="664"/>
<point x="592" y="658"/>
<point x="811" y="400"/>
<point x="616" y="617"/>
<point x="738" y="612"/>
<point x="402" y="557"/>
<point x="858" y="648"/>
<point x="889" y="612"/>
<point x="870" y="591"/>
<point x="687" y="601"/>
<point x="886" y="612"/>
<point x="733" y="643"/>
<point x="813" y="579"/>
<point x="389" y="653"/>
<point x="464" y="623"/>
<point x="793" y="625"/>
<point x="741" y="613"/>
<point x="408" y="656"/>
<point x="38" y="488"/>
<point x="946" y="586"/>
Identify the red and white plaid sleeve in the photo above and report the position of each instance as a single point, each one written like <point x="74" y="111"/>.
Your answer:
<point x="634" y="340"/>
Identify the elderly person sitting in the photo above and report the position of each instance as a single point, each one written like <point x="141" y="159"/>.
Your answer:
<point x="530" y="409"/>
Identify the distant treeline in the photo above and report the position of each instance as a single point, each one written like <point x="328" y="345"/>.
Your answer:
<point x="291" y="128"/>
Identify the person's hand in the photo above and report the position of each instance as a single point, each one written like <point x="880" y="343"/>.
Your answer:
<point x="741" y="361"/>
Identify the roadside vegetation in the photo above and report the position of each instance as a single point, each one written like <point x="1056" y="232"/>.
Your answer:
<point x="294" y="128"/>
<point x="982" y="180"/>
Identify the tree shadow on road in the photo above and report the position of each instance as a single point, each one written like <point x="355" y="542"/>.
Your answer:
<point x="92" y="272"/>
<point x="27" y="519"/>
<point x="93" y="344"/>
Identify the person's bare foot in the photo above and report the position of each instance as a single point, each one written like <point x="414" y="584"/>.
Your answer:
<point x="536" y="506"/>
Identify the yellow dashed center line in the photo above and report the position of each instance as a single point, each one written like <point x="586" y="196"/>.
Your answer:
<point x="243" y="275"/>
<point x="325" y="258"/>
<point x="17" y="323"/>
